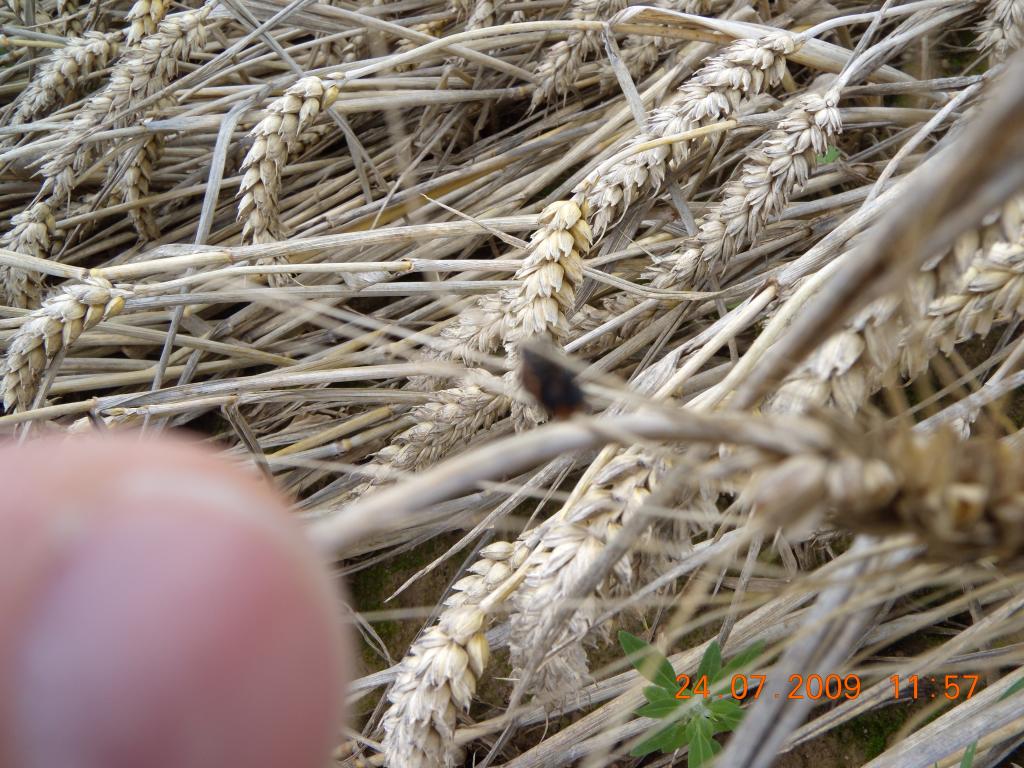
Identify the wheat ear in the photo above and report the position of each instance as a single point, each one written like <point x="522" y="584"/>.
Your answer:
<point x="275" y="137"/>
<point x="557" y="71"/>
<point x="60" y="75"/>
<point x="142" y="19"/>
<point x="52" y="328"/>
<point x="639" y="53"/>
<point x="537" y="305"/>
<point x="142" y="72"/>
<point x="564" y="549"/>
<point x="549" y="275"/>
<point x="546" y="290"/>
<point x="1001" y="31"/>
<point x="452" y="419"/>
<point x="134" y="186"/>
<point x="990" y="291"/>
<point x="438" y="675"/>
<point x="772" y="170"/>
<point x="963" y="499"/>
<point x="32" y="234"/>
<point x="944" y="304"/>
<point x="715" y="91"/>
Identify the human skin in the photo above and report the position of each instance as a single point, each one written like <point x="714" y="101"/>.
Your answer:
<point x="158" y="608"/>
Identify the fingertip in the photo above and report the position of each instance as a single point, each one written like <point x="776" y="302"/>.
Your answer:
<point x="179" y="619"/>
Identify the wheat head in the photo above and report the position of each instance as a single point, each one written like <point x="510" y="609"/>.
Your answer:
<point x="53" y="327"/>
<point x="32" y="233"/>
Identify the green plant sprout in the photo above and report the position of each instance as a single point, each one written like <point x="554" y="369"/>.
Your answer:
<point x="710" y="710"/>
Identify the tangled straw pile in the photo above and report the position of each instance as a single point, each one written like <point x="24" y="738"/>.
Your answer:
<point x="780" y="245"/>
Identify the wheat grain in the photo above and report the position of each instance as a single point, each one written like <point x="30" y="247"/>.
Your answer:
<point x="275" y="137"/>
<point x="142" y="19"/>
<point x="61" y="74"/>
<point x="715" y="91"/>
<point x="557" y="71"/>
<point x="1002" y="29"/>
<point x="32" y="233"/>
<point x="54" y="327"/>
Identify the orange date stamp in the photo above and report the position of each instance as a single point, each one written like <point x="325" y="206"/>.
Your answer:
<point x="831" y="687"/>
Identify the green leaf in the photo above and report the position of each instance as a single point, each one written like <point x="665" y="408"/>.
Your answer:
<point x="726" y="714"/>
<point x="830" y="156"/>
<point x="668" y="740"/>
<point x="700" y="727"/>
<point x="659" y="709"/>
<point x="968" y="758"/>
<point x="656" y="694"/>
<point x="742" y="660"/>
<point x="711" y="664"/>
<point x="701" y="751"/>
<point x="648" y="661"/>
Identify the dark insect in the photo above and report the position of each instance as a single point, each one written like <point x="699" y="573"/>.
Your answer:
<point x="550" y="382"/>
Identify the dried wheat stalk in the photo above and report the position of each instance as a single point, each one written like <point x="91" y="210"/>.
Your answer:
<point x="276" y="137"/>
<point x="715" y="91"/>
<point x="61" y="74"/>
<point x="32" y="233"/>
<point x="52" y="328"/>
